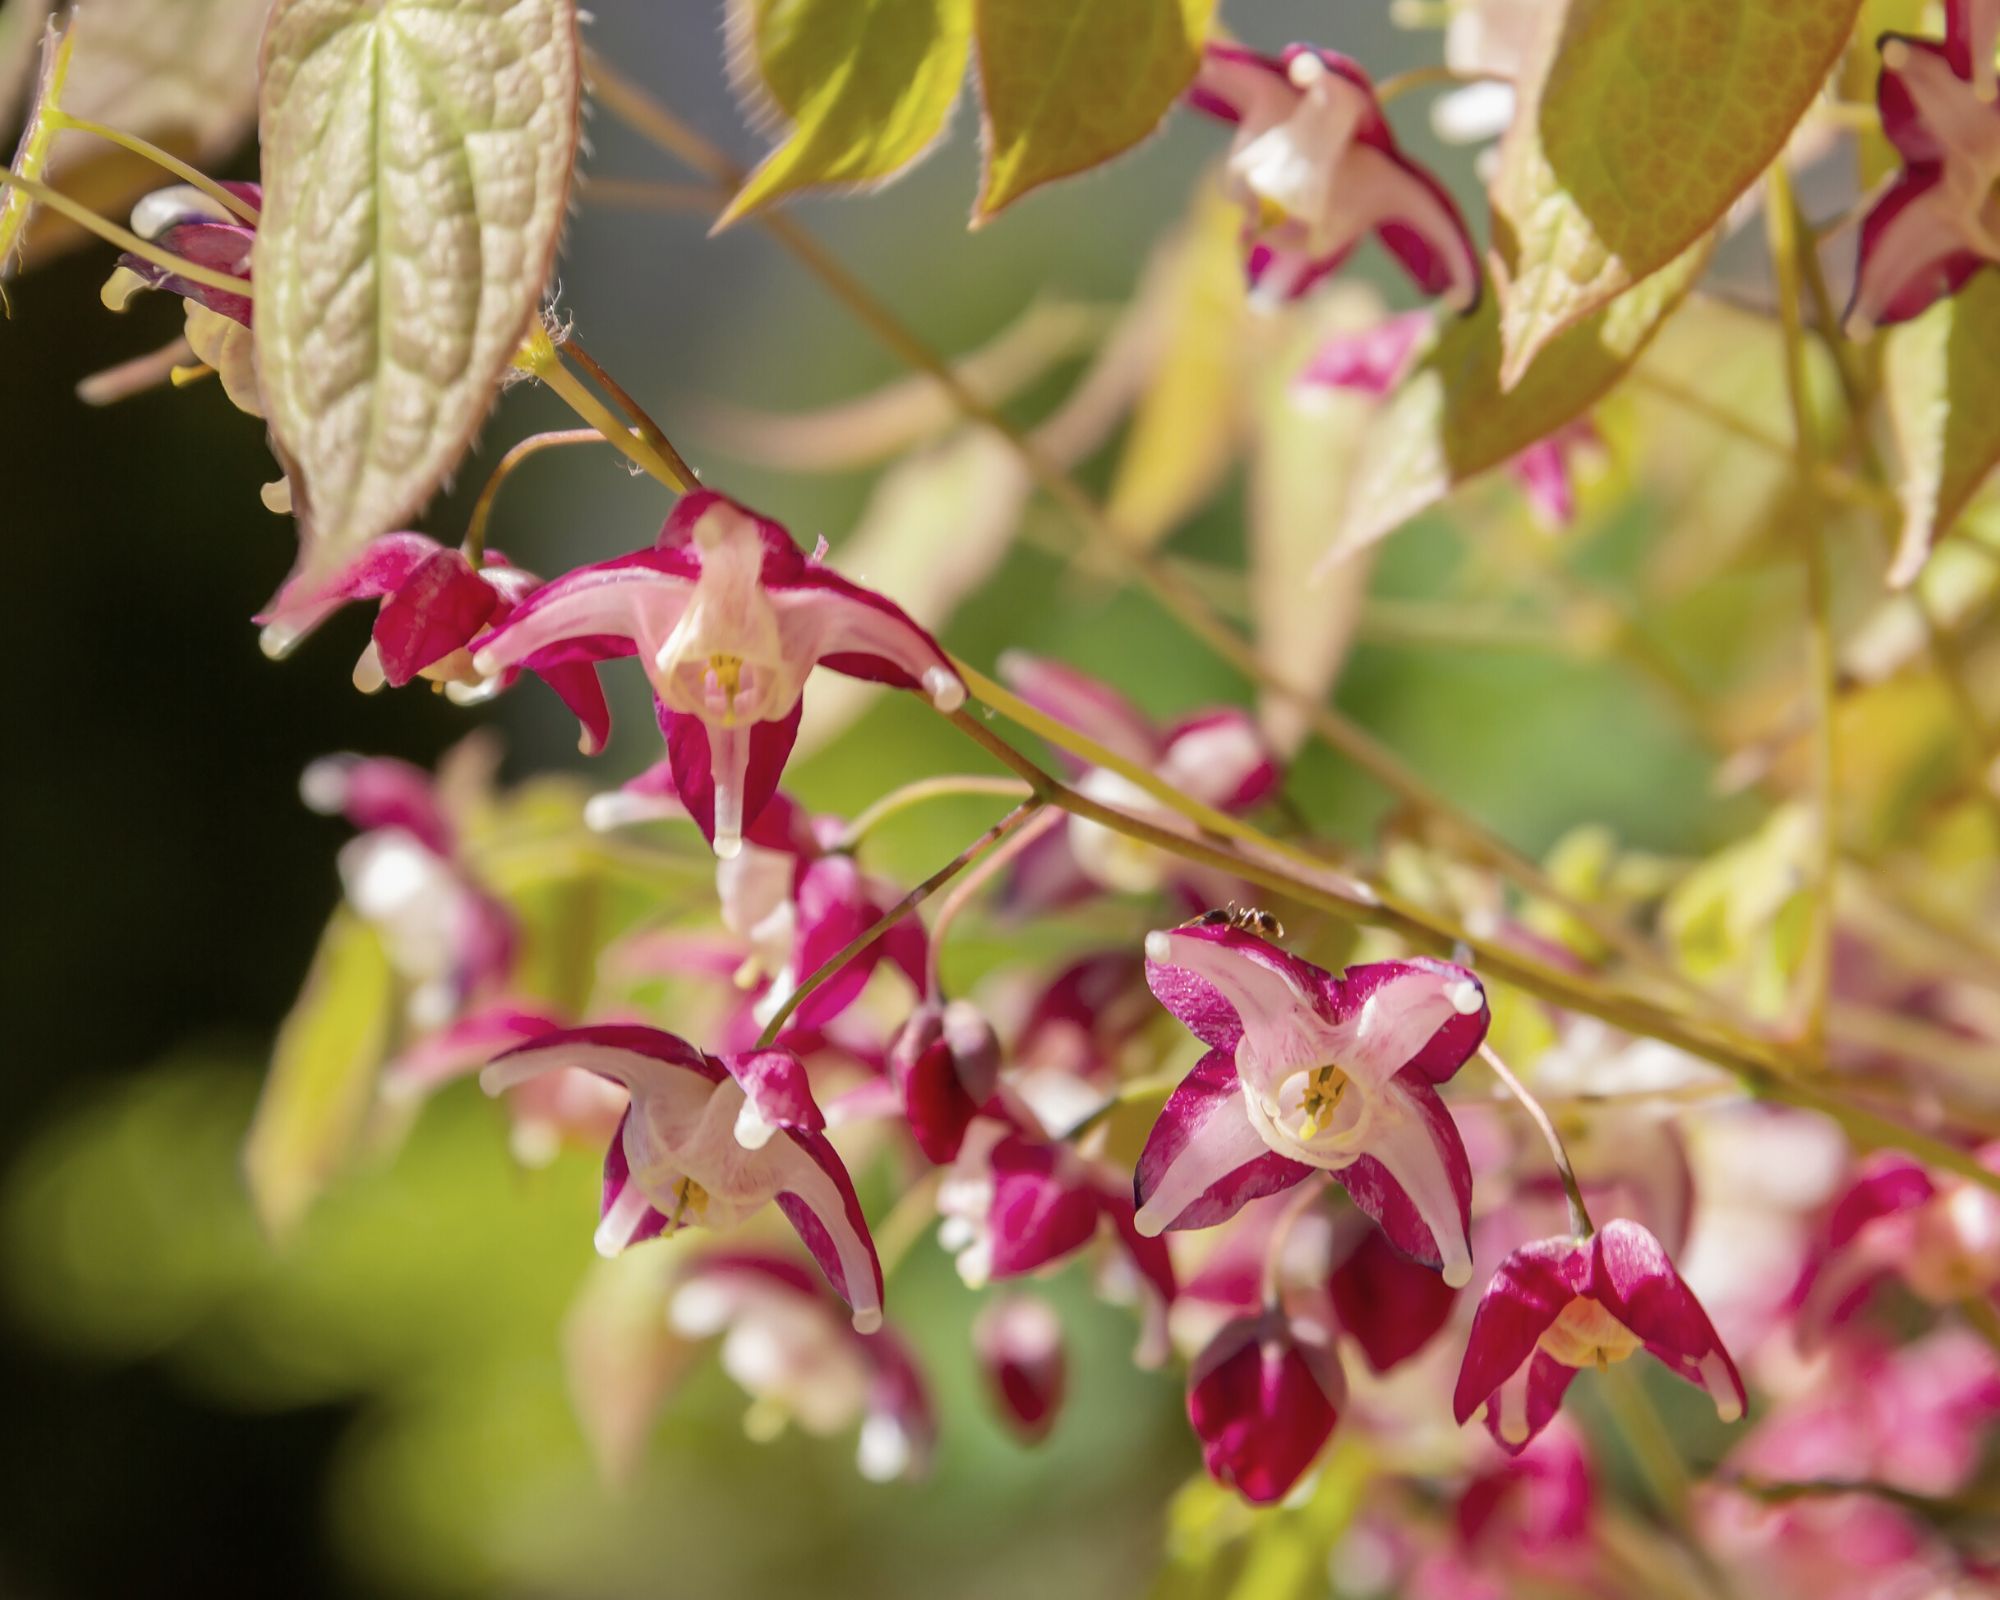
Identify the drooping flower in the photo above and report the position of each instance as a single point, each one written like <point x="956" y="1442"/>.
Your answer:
<point x="433" y="603"/>
<point x="1263" y="1398"/>
<point x="800" y="1361"/>
<point x="199" y="229"/>
<point x="945" y="1063"/>
<point x="1939" y="222"/>
<point x="450" y="941"/>
<point x="1316" y="168"/>
<point x="1376" y="360"/>
<point x="707" y="1141"/>
<point x="1307" y="1070"/>
<point x="1217" y="757"/>
<point x="1388" y="1304"/>
<point x="1558" y="1305"/>
<point x="1019" y="1342"/>
<point x="729" y="617"/>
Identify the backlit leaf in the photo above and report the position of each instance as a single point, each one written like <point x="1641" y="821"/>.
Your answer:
<point x="322" y="1076"/>
<point x="1639" y="126"/>
<point x="867" y="86"/>
<point x="1066" y="86"/>
<point x="1942" y="377"/>
<point x="417" y="160"/>
<point x="1451" y="419"/>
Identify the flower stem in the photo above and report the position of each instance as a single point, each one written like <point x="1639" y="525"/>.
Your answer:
<point x="924" y="789"/>
<point x="1816" y="978"/>
<point x="482" y="508"/>
<point x="1436" y="75"/>
<point x="647" y="428"/>
<point x="538" y="355"/>
<point x="1579" y="1214"/>
<point x="124" y="238"/>
<point x="1273" y="1281"/>
<point x="1645" y="1435"/>
<point x="1021" y="814"/>
<point x="234" y="203"/>
<point x="977" y="879"/>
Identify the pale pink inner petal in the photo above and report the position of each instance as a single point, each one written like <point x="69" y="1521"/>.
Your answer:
<point x="729" y="755"/>
<point x="1400" y="1137"/>
<point x="1222" y="1142"/>
<point x="1397" y="1021"/>
<point x="796" y="1173"/>
<point x="815" y="622"/>
<point x="634" y="603"/>
<point x="1912" y="244"/>
<point x="1282" y="1030"/>
<point x="1372" y="188"/>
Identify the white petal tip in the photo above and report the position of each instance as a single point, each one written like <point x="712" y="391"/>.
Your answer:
<point x="277" y="640"/>
<point x="604" y="812"/>
<point x="1159" y="947"/>
<point x="869" y="1320"/>
<point x="277" y="497"/>
<point x="1895" y="54"/>
<point x="1515" y="1430"/>
<point x="1148" y="1225"/>
<point x="944" y="688"/>
<point x="752" y="1131"/>
<point x="1305" y="71"/>
<point x="728" y="846"/>
<point x="606" y="1247"/>
<point x="1728" y="1410"/>
<point x="1457" y="1274"/>
<point x="323" y="786"/>
<point x="1465" y="997"/>
<point x="485" y="663"/>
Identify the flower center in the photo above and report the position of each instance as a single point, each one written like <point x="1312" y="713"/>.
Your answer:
<point x="1319" y="1099"/>
<point x="1587" y="1335"/>
<point x="690" y="1204"/>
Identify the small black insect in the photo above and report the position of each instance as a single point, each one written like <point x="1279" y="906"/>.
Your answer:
<point x="1245" y="919"/>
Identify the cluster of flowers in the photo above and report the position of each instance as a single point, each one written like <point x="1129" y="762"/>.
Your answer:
<point x="1306" y="1075"/>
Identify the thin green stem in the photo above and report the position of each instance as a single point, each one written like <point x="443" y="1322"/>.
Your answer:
<point x="234" y="203"/>
<point x="124" y="238"/>
<point x="538" y="356"/>
<point x="1579" y="1214"/>
<point x="1430" y="77"/>
<point x="1816" y="978"/>
<point x="647" y="428"/>
<point x="975" y="880"/>
<point x="923" y="790"/>
<point x="482" y="508"/>
<point x="895" y="914"/>
<point x="1645" y="1435"/>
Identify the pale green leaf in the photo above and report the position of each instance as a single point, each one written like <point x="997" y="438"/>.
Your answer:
<point x="322" y="1076"/>
<point x="1190" y="419"/>
<point x="37" y="135"/>
<point x="1302" y="458"/>
<point x="1065" y="86"/>
<point x="1639" y="125"/>
<point x="1942" y="381"/>
<point x="417" y="160"/>
<point x="1451" y="419"/>
<point x="867" y="86"/>
<point x="182" y="73"/>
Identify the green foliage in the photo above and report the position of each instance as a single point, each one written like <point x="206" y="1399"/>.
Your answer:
<point x="417" y="163"/>
<point x="865" y="85"/>
<point x="1454" y="417"/>
<point x="1218" y="1548"/>
<point x="1640" y="128"/>
<point x="322" y="1077"/>
<point x="1942" y="386"/>
<point x="1066" y="87"/>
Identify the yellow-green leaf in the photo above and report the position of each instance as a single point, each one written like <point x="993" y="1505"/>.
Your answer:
<point x="417" y="161"/>
<point x="1451" y="419"/>
<point x="322" y="1076"/>
<point x="867" y="86"/>
<point x="1066" y="85"/>
<point x="36" y="137"/>
<point x="1190" y="418"/>
<point x="1942" y="378"/>
<point x="1639" y="125"/>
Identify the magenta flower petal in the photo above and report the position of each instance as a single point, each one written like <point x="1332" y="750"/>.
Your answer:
<point x="1637" y="1284"/>
<point x="577" y="685"/>
<point x="1019" y="1344"/>
<point x="1221" y="758"/>
<point x="946" y="1064"/>
<point x="1417" y="1182"/>
<point x="1431" y="1016"/>
<point x="377" y="792"/>
<point x="1388" y="1304"/>
<point x="818" y="1200"/>
<point x="1229" y="987"/>
<point x="1373" y="361"/>
<point x="435" y="610"/>
<point x="1204" y="1161"/>
<point x="1263" y="1402"/>
<point x="1087" y="704"/>
<point x="777" y="1094"/>
<point x="726" y="777"/>
<point x="1528" y="1291"/>
<point x="1042" y="1208"/>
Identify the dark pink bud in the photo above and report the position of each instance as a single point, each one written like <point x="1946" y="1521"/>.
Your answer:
<point x="1263" y="1399"/>
<point x="1018" y="1340"/>
<point x="946" y="1064"/>
<point x="1390" y="1305"/>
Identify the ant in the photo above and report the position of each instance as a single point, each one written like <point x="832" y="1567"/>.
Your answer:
<point x="1245" y="919"/>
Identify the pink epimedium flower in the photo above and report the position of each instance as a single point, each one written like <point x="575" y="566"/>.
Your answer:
<point x="433" y="602"/>
<point x="945" y="1063"/>
<point x="1263" y="1398"/>
<point x="1217" y="757"/>
<point x="1559" y="1305"/>
<point x="784" y="1340"/>
<point x="1316" y="168"/>
<point x="1388" y="1304"/>
<point x="708" y="1141"/>
<point x="1311" y="1071"/>
<point x="1019" y="1342"/>
<point x="1376" y="360"/>
<point x="1939" y="222"/>
<point x="728" y="617"/>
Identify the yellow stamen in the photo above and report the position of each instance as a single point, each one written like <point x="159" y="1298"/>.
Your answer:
<point x="193" y="372"/>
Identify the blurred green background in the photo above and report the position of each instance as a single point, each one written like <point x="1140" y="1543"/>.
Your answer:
<point x="381" y="1410"/>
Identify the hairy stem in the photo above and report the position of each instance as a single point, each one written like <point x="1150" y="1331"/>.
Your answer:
<point x="232" y="202"/>
<point x="125" y="239"/>
<point x="926" y="789"/>
<point x="482" y="508"/>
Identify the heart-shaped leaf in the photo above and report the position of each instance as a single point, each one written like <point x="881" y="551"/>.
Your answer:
<point x="1942" y="380"/>
<point x="1066" y="84"/>
<point x="1639" y="125"/>
<point x="866" y="86"/>
<point x="417" y="161"/>
<point x="322" y="1079"/>
<point x="1451" y="418"/>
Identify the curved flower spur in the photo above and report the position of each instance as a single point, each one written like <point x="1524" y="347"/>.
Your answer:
<point x="729" y="617"/>
<point x="1308" y="1070"/>
<point x="708" y="1140"/>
